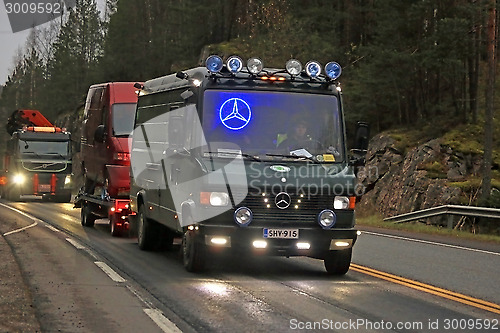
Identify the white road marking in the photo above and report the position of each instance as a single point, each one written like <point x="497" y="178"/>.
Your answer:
<point x="432" y="243"/>
<point x="75" y="244"/>
<point x="24" y="214"/>
<point x="136" y="294"/>
<point x="109" y="271"/>
<point x="156" y="315"/>
<point x="52" y="228"/>
<point x="165" y="325"/>
<point x="21" y="229"/>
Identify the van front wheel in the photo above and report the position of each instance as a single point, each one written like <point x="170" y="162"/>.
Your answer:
<point x="193" y="252"/>
<point x="145" y="233"/>
<point x="337" y="262"/>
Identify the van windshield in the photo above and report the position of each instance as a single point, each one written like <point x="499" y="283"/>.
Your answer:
<point x="265" y="124"/>
<point x="122" y="115"/>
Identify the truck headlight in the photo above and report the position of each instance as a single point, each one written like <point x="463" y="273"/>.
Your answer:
<point x="327" y="219"/>
<point x="243" y="216"/>
<point x="67" y="180"/>
<point x="19" y="179"/>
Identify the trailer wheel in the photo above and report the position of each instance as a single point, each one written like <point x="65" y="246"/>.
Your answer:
<point x="337" y="262"/>
<point x="193" y="252"/>
<point x="146" y="236"/>
<point x="115" y="230"/>
<point x="88" y="219"/>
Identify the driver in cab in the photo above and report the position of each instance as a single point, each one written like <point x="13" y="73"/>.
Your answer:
<point x="298" y="138"/>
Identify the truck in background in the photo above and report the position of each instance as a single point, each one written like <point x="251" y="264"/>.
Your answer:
<point x="105" y="153"/>
<point x="38" y="160"/>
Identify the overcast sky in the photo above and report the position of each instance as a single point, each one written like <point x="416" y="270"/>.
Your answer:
<point x="9" y="44"/>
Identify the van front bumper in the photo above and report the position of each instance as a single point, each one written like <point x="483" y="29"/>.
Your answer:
<point x="311" y="242"/>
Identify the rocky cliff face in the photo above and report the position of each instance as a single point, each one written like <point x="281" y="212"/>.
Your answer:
<point x="398" y="183"/>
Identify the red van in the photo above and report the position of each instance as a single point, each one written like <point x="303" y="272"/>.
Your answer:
<point x="105" y="143"/>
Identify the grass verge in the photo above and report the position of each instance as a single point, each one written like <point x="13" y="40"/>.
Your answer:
<point x="377" y="221"/>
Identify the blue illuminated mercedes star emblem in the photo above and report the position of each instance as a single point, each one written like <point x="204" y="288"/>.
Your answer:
<point x="235" y="113"/>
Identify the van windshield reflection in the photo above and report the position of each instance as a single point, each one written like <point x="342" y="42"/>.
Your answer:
<point x="274" y="125"/>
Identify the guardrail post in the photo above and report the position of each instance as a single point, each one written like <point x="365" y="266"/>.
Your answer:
<point x="450" y="221"/>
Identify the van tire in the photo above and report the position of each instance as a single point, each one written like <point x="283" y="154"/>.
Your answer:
<point x="193" y="252"/>
<point x="87" y="218"/>
<point x="337" y="262"/>
<point x="146" y="235"/>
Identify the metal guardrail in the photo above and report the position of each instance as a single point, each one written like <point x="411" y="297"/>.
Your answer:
<point x="450" y="210"/>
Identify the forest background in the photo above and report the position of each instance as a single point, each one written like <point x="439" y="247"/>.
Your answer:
<point x="418" y="69"/>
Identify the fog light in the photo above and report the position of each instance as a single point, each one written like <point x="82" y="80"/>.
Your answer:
<point x="259" y="244"/>
<point x="303" y="246"/>
<point x="218" y="241"/>
<point x="342" y="244"/>
<point x="327" y="219"/>
<point x="243" y="216"/>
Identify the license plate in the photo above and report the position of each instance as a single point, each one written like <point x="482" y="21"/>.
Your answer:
<point x="281" y="233"/>
<point x="44" y="188"/>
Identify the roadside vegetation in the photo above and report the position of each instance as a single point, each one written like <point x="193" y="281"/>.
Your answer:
<point x="420" y="227"/>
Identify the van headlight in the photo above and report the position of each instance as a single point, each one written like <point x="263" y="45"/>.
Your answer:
<point x="19" y="179"/>
<point x="214" y="198"/>
<point x="341" y="202"/>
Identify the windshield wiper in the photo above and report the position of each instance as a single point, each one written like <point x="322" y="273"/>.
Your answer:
<point x="252" y="157"/>
<point x="54" y="153"/>
<point x="310" y="158"/>
<point x="30" y="152"/>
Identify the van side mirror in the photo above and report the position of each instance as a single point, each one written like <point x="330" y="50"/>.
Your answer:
<point x="362" y="135"/>
<point x="360" y="143"/>
<point x="100" y="134"/>
<point x="176" y="132"/>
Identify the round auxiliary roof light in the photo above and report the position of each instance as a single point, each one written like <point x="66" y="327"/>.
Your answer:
<point x="234" y="64"/>
<point x="214" y="63"/>
<point x="255" y="65"/>
<point x="333" y="70"/>
<point x="313" y="69"/>
<point x="293" y="67"/>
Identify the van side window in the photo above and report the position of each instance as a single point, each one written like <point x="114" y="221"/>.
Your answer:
<point x="93" y="113"/>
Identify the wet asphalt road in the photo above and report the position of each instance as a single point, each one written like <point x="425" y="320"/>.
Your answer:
<point x="245" y="294"/>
